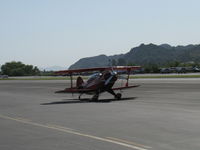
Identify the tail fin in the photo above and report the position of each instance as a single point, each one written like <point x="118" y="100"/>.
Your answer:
<point x="79" y="82"/>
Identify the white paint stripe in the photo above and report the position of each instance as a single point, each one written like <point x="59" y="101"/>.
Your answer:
<point x="72" y="132"/>
<point x="60" y="127"/>
<point x="129" y="142"/>
<point x="23" y="119"/>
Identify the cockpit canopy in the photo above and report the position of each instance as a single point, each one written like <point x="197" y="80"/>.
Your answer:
<point x="94" y="76"/>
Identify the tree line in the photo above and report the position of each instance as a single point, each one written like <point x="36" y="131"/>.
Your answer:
<point x="19" y="69"/>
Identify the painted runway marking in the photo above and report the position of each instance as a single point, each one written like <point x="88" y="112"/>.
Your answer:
<point x="23" y="119"/>
<point x="129" y="142"/>
<point x="60" y="127"/>
<point x="71" y="131"/>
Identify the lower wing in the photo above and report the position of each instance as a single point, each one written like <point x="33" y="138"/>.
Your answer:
<point x="75" y="90"/>
<point x="125" y="87"/>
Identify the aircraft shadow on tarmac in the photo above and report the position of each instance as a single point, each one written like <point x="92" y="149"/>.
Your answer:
<point x="87" y="100"/>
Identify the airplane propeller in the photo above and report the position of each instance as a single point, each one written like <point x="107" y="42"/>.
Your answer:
<point x="113" y="73"/>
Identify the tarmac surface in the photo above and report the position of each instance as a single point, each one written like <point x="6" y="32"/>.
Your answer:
<point x="161" y="114"/>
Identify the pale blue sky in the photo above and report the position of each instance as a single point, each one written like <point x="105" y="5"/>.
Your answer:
<point x="59" y="32"/>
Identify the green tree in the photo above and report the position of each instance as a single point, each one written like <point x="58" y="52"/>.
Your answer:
<point x="173" y="64"/>
<point x="19" y="69"/>
<point x="36" y="71"/>
<point x="155" y="68"/>
<point x="151" y="68"/>
<point x="130" y="64"/>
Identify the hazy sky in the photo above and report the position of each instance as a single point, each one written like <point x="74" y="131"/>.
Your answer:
<point x="60" y="32"/>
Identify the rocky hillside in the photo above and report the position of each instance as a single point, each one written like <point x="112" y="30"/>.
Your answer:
<point x="143" y="55"/>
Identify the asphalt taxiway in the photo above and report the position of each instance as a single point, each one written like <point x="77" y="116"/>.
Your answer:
<point x="161" y="114"/>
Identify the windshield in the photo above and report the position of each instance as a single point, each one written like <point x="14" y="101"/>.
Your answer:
<point x="94" y="76"/>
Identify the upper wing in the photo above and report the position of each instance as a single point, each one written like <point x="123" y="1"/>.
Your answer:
<point x="70" y="72"/>
<point x="126" y="68"/>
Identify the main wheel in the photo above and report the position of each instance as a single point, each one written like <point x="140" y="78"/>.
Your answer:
<point x="118" y="96"/>
<point x="95" y="98"/>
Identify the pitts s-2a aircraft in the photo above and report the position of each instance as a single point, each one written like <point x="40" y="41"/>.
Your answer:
<point x="98" y="83"/>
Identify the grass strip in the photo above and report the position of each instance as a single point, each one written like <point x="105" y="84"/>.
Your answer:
<point x="163" y="76"/>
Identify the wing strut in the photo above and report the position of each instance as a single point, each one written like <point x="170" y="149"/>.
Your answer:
<point x="71" y="78"/>
<point x="128" y="72"/>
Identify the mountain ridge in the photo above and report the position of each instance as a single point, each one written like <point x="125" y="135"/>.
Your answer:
<point x="144" y="54"/>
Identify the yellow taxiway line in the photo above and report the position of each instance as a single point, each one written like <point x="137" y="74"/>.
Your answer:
<point x="117" y="141"/>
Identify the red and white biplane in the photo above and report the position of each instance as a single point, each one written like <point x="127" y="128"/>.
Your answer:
<point x="98" y="83"/>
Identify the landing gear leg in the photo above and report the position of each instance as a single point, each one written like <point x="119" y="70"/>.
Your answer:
<point x="95" y="97"/>
<point x="117" y="96"/>
<point x="80" y="96"/>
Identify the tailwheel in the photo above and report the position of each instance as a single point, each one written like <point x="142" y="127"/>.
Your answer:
<point x="79" y="97"/>
<point x="118" y="96"/>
